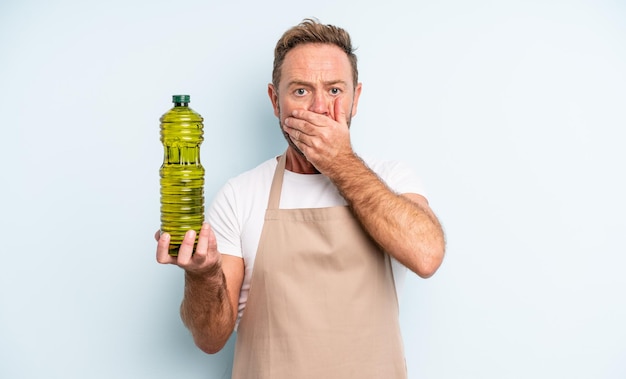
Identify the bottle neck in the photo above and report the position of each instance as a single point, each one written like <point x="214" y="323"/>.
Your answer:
<point x="181" y="104"/>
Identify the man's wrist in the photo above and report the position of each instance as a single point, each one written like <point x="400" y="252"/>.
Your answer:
<point x="211" y="273"/>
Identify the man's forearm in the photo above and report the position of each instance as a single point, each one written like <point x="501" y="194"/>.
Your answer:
<point x="206" y="310"/>
<point x="403" y="228"/>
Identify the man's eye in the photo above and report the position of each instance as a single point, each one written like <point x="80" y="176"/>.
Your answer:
<point x="300" y="92"/>
<point x="335" y="91"/>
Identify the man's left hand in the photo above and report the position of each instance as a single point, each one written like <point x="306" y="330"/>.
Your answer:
<point x="323" y="139"/>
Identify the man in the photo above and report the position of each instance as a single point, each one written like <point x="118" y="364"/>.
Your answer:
<point x="302" y="254"/>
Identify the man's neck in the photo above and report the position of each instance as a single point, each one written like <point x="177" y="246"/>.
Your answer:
<point x="297" y="163"/>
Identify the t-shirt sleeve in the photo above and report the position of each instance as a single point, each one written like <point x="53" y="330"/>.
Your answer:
<point x="401" y="178"/>
<point x="222" y="216"/>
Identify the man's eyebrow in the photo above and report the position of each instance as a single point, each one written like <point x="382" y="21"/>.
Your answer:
<point x="309" y="84"/>
<point x="299" y="83"/>
<point x="333" y="82"/>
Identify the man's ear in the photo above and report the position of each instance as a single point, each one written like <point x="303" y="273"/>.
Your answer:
<point x="273" y="94"/>
<point x="355" y="102"/>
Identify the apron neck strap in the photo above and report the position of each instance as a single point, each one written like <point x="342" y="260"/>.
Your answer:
<point x="277" y="183"/>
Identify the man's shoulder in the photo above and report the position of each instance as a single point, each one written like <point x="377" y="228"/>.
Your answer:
<point x="250" y="184"/>
<point x="384" y="167"/>
<point x="263" y="170"/>
<point x="243" y="192"/>
<point x="399" y="175"/>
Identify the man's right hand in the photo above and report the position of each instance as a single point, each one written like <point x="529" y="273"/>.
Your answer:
<point x="204" y="260"/>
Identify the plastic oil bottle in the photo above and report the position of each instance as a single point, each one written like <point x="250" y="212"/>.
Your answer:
<point x="182" y="174"/>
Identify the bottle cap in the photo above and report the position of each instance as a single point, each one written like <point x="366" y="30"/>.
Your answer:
<point x="180" y="99"/>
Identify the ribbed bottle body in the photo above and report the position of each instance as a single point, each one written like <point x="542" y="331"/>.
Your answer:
<point x="182" y="174"/>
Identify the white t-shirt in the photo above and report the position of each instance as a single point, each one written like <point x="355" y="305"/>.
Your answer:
<point x="238" y="210"/>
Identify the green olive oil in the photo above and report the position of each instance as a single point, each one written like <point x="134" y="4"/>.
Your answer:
<point x="182" y="174"/>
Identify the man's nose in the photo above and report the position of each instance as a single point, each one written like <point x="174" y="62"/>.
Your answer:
<point x="320" y="104"/>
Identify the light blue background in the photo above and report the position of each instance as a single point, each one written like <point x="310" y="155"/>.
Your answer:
<point x="512" y="113"/>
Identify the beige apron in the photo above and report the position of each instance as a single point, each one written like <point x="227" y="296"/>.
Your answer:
<point x="322" y="300"/>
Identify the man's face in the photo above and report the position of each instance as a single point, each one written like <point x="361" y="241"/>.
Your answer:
<point x="312" y="77"/>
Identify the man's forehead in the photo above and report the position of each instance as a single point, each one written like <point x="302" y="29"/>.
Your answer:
<point x="317" y="51"/>
<point x="317" y="62"/>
